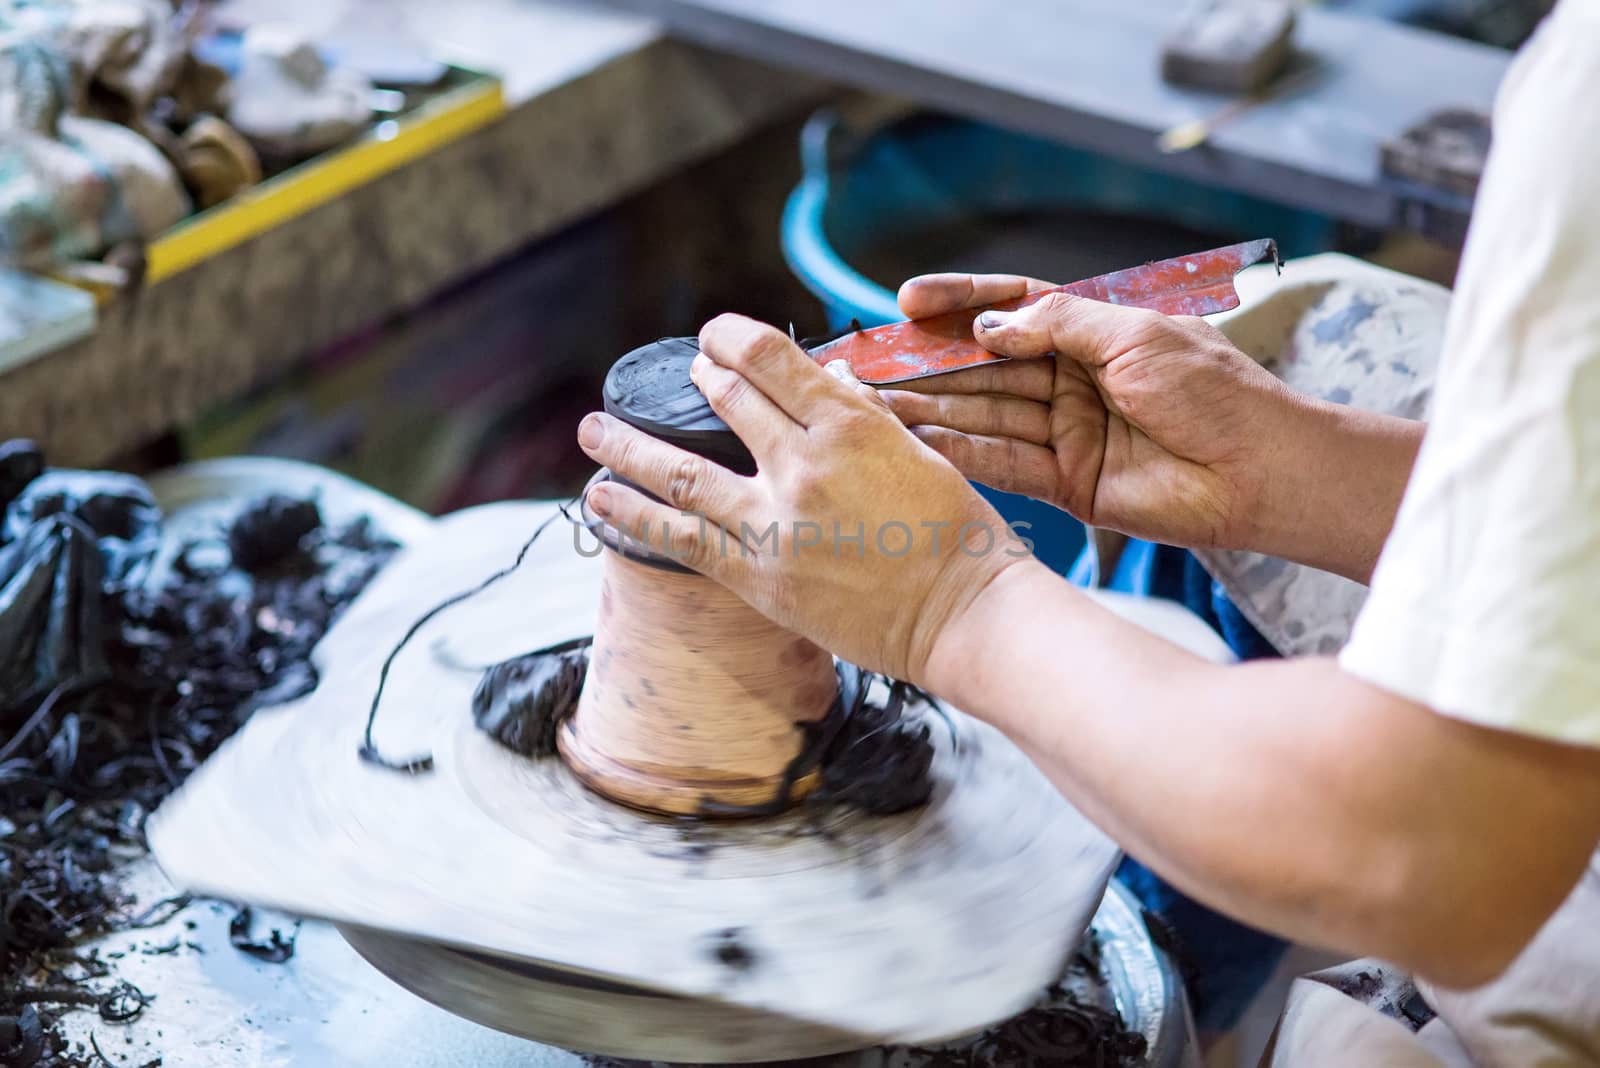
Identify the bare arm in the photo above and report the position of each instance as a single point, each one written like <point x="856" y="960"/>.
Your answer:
<point x="1330" y="487"/>
<point x="1287" y="793"/>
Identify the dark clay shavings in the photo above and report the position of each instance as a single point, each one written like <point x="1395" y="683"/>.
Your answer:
<point x="275" y="948"/>
<point x="879" y="762"/>
<point x="1059" y="1035"/>
<point x="521" y="702"/>
<point x="116" y="681"/>
<point x="271" y="532"/>
<point x="21" y="1038"/>
<point x="1064" y="1030"/>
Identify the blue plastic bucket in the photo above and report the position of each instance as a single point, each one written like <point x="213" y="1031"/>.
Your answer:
<point x="927" y="173"/>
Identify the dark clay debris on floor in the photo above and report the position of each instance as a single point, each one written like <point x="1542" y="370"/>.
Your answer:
<point x="120" y="671"/>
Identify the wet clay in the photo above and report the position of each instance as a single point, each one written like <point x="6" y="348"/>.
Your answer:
<point x="523" y="701"/>
<point x="879" y="762"/>
<point x="871" y="757"/>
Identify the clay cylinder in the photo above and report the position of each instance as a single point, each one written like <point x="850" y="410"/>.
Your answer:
<point x="695" y="702"/>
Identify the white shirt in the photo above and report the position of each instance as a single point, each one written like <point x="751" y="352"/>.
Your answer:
<point x="1486" y="601"/>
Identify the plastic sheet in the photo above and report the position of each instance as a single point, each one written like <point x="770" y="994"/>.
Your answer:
<point x="68" y="539"/>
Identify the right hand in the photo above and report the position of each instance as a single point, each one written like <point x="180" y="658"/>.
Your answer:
<point x="830" y="457"/>
<point x="1135" y="421"/>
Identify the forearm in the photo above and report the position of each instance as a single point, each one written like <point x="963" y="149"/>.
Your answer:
<point x="1330" y="485"/>
<point x="1132" y="730"/>
<point x="1277" y="792"/>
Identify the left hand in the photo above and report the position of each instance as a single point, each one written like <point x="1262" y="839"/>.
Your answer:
<point x="866" y="560"/>
<point x="1153" y="425"/>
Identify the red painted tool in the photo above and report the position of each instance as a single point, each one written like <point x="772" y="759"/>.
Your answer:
<point x="1201" y="284"/>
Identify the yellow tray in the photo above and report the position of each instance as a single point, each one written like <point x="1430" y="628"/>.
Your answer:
<point x="390" y="144"/>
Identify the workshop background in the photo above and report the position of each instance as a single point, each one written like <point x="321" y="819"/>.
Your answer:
<point x="403" y="241"/>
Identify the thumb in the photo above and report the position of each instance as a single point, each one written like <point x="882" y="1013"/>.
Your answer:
<point x="842" y="370"/>
<point x="1075" y="327"/>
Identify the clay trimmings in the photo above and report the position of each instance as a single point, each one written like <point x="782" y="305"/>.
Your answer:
<point x="879" y="762"/>
<point x="520" y="702"/>
<point x="871" y="757"/>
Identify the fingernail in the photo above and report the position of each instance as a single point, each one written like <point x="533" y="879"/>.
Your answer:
<point x="600" y="501"/>
<point x="994" y="320"/>
<point x="591" y="432"/>
<point x="699" y="364"/>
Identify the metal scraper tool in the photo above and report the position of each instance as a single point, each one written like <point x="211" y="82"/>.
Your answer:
<point x="1201" y="284"/>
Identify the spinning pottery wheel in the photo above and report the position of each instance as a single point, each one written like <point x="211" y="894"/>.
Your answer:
<point x="572" y="898"/>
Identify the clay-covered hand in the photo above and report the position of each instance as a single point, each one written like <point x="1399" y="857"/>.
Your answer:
<point x="1128" y="419"/>
<point x="852" y="532"/>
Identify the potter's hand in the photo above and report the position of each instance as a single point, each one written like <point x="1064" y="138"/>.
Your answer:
<point x="849" y="531"/>
<point x="1126" y="418"/>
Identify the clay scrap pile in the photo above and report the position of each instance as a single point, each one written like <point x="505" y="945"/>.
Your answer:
<point x="125" y="660"/>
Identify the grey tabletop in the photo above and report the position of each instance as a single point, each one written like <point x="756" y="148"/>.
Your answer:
<point x="1087" y="72"/>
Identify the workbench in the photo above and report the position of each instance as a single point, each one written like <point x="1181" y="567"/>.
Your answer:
<point x="600" y="105"/>
<point x="1088" y="73"/>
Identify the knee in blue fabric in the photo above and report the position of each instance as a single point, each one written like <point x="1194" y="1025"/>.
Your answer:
<point x="1224" y="963"/>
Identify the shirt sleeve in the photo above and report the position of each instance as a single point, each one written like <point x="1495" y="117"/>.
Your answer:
<point x="1485" y="604"/>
